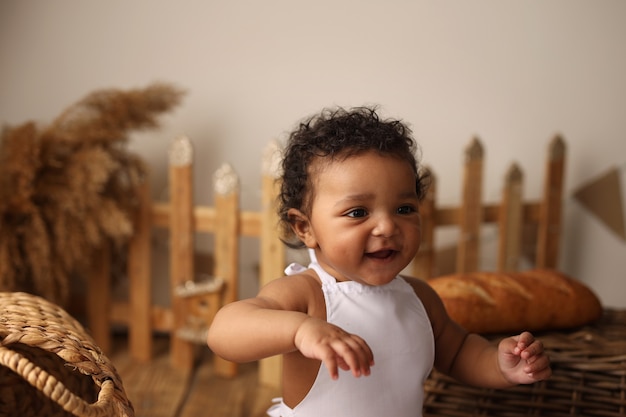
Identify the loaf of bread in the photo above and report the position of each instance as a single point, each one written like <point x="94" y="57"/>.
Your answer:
<point x="503" y="302"/>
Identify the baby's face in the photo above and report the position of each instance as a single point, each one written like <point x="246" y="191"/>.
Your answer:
<point x="365" y="224"/>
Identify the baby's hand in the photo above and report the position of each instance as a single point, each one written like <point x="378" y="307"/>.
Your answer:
<point x="336" y="348"/>
<point x="522" y="359"/>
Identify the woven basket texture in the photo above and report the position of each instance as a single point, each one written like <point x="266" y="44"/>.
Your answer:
<point x="50" y="366"/>
<point x="588" y="379"/>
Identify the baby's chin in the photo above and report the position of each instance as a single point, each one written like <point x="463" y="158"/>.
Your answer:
<point x="377" y="279"/>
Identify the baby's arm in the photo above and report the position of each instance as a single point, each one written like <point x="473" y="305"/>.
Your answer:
<point x="253" y="329"/>
<point x="276" y="322"/>
<point x="472" y="359"/>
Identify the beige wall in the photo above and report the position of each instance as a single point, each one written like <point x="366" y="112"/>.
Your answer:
<point x="513" y="73"/>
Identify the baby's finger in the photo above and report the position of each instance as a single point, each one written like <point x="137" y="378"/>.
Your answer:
<point x="365" y="350"/>
<point x="524" y="340"/>
<point x="538" y="363"/>
<point x="330" y="361"/>
<point x="342" y="364"/>
<point x="510" y="345"/>
<point x="354" y="356"/>
<point x="533" y="350"/>
<point x="540" y="369"/>
<point x="353" y="359"/>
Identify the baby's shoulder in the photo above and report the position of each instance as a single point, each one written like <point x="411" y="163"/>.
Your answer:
<point x="297" y="292"/>
<point x="420" y="286"/>
<point x="427" y="295"/>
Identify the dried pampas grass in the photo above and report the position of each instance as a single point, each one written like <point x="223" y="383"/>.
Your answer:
<point x="68" y="188"/>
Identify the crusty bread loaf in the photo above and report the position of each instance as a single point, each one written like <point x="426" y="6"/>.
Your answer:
<point x="534" y="300"/>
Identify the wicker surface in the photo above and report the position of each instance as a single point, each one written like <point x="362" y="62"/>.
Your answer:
<point x="589" y="379"/>
<point x="50" y="366"/>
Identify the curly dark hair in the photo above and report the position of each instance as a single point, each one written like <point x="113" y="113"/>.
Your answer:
<point x="338" y="134"/>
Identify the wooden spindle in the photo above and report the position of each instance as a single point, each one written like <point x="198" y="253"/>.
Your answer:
<point x="226" y="191"/>
<point x="424" y="262"/>
<point x="471" y="214"/>
<point x="549" y="229"/>
<point x="181" y="230"/>
<point x="99" y="298"/>
<point x="511" y="220"/>
<point x="139" y="268"/>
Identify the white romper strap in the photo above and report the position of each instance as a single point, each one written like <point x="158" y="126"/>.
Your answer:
<point x="296" y="268"/>
<point x="325" y="277"/>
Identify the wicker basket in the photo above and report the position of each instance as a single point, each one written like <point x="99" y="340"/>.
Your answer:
<point x="588" y="379"/>
<point x="49" y="366"/>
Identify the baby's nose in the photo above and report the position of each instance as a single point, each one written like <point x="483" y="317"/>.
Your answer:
<point x="385" y="226"/>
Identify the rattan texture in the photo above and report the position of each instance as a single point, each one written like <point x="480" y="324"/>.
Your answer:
<point x="588" y="379"/>
<point x="50" y="366"/>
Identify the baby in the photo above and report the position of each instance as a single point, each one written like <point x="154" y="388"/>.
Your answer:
<point x="357" y="338"/>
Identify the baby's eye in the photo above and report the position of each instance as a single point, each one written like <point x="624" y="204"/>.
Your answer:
<point x="406" y="210"/>
<point x="357" y="213"/>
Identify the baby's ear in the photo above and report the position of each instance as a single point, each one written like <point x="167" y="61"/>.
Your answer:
<point x="301" y="227"/>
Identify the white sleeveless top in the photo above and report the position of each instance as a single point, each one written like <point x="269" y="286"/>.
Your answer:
<point x="393" y="322"/>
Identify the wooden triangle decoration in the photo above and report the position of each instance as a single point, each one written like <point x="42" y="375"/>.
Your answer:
<point x="603" y="198"/>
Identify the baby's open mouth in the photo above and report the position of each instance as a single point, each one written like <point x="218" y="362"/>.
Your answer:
<point x="381" y="254"/>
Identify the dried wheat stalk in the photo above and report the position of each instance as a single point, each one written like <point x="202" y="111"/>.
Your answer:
<point x="68" y="188"/>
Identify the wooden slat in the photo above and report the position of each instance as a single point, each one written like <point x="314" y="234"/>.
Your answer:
<point x="204" y="219"/>
<point x="99" y="298"/>
<point x="227" y="244"/>
<point x="424" y="262"/>
<point x="250" y="223"/>
<point x="471" y="210"/>
<point x="511" y="221"/>
<point x="549" y="230"/>
<point x="140" y="269"/>
<point x="161" y="319"/>
<point x="450" y="216"/>
<point x="273" y="258"/>
<point x="181" y="227"/>
<point x="161" y="215"/>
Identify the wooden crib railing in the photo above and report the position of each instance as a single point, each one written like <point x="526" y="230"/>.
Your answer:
<point x="193" y="303"/>
<point x="513" y="215"/>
